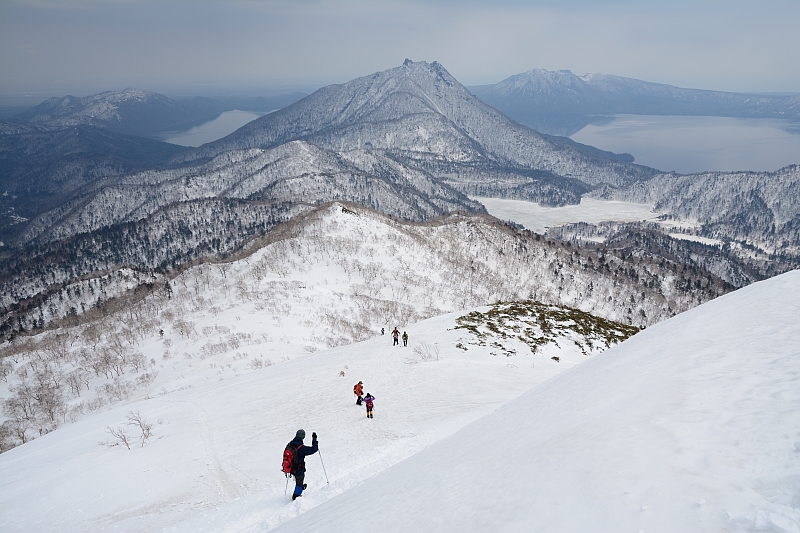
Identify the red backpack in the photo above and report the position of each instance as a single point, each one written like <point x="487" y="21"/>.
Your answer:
<point x="291" y="459"/>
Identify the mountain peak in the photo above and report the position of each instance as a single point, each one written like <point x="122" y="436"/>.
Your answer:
<point x="539" y="80"/>
<point x="422" y="68"/>
<point x="420" y="110"/>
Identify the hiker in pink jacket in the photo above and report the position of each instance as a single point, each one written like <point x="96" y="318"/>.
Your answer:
<point x="368" y="399"/>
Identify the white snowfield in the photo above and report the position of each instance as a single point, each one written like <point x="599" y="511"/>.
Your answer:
<point x="219" y="434"/>
<point x="691" y="425"/>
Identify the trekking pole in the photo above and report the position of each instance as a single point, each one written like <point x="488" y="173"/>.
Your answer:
<point x="323" y="466"/>
<point x="287" y="486"/>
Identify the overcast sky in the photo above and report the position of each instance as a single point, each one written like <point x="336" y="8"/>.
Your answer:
<point x="182" y="47"/>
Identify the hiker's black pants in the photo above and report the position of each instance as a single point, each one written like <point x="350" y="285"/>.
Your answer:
<point x="298" y="483"/>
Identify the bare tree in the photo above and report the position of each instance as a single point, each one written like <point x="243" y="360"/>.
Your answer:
<point x="54" y="347"/>
<point x="138" y="361"/>
<point x="6" y="368"/>
<point x="121" y="437"/>
<point x="427" y="352"/>
<point x="146" y="428"/>
<point x="13" y="429"/>
<point x="184" y="327"/>
<point x="77" y="379"/>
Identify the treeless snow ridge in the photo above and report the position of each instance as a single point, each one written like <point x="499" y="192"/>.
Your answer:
<point x="691" y="425"/>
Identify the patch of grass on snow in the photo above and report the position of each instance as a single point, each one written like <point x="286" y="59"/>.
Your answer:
<point x="536" y="325"/>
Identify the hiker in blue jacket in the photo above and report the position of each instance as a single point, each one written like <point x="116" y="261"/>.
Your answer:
<point x="301" y="451"/>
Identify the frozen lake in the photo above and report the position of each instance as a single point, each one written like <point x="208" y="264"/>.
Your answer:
<point x="537" y="218"/>
<point x="226" y="123"/>
<point x="696" y="144"/>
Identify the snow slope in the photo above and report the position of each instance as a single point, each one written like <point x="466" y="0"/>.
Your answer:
<point x="691" y="425"/>
<point x="219" y="434"/>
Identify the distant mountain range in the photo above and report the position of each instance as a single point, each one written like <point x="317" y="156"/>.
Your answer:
<point x="413" y="125"/>
<point x="138" y="112"/>
<point x="420" y="114"/>
<point x="561" y="102"/>
<point x="132" y="111"/>
<point x="52" y="150"/>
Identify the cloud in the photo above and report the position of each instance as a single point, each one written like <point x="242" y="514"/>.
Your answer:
<point x="28" y="48"/>
<point x="104" y="44"/>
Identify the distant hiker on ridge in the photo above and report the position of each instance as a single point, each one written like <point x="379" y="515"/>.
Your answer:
<point x="382" y="331"/>
<point x="294" y="460"/>
<point x="368" y="399"/>
<point x="358" y="390"/>
<point x="405" y="339"/>
<point x="395" y="336"/>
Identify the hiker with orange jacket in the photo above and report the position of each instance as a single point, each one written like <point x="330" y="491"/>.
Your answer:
<point x="358" y="390"/>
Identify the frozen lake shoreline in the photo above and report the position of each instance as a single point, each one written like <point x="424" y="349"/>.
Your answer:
<point x="538" y="218"/>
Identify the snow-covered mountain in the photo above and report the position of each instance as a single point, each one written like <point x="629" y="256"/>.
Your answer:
<point x="691" y="425"/>
<point x="561" y="103"/>
<point x="132" y="111"/>
<point x="420" y="113"/>
<point x="337" y="278"/>
<point x="686" y="423"/>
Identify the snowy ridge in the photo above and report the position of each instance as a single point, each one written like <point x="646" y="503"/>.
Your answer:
<point x="435" y="259"/>
<point x="691" y="425"/>
<point x="242" y="340"/>
<point x="296" y="172"/>
<point x="338" y="274"/>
